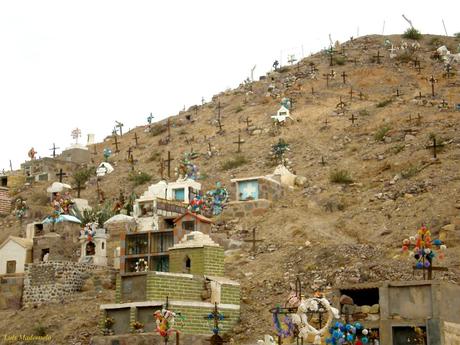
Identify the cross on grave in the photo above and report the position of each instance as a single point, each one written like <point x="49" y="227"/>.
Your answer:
<point x="352" y="119"/>
<point x="219" y="118"/>
<point x="344" y="76"/>
<point x="398" y="93"/>
<point x="220" y="125"/>
<point x="168" y="161"/>
<point x="419" y="95"/>
<point x="216" y="339"/>
<point x="419" y="68"/>
<point x="378" y="56"/>
<point x="54" y="148"/>
<point x="331" y="52"/>
<point x="136" y="138"/>
<point x="416" y="62"/>
<point x="76" y="133"/>
<point x="432" y="81"/>
<point x="361" y="95"/>
<point x="341" y="104"/>
<point x="434" y="147"/>
<point x="351" y="93"/>
<point x="326" y="122"/>
<point x="327" y="75"/>
<point x="61" y="174"/>
<point x="239" y="142"/>
<point x="248" y="122"/>
<point x="161" y="170"/>
<point x="253" y="240"/>
<point x="323" y="162"/>
<point x="116" y="145"/>
<point x="150" y="119"/>
<point x="119" y="125"/>
<point x="130" y="151"/>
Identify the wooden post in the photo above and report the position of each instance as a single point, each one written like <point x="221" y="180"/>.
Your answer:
<point x="116" y="145"/>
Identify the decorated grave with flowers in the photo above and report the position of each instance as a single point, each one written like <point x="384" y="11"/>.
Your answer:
<point x="193" y="286"/>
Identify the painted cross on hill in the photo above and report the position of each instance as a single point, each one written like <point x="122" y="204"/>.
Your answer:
<point x="423" y="251"/>
<point x="76" y="133"/>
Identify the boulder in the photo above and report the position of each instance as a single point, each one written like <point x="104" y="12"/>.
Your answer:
<point x="375" y="309"/>
<point x="344" y="299"/>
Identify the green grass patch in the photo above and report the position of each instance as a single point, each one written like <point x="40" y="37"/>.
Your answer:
<point x="381" y="132"/>
<point x="412" y="34"/>
<point x="384" y="103"/>
<point x="139" y="178"/>
<point x="410" y="172"/>
<point x="234" y="163"/>
<point x="341" y="176"/>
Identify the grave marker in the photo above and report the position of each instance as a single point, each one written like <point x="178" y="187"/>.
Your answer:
<point x="344" y="76"/>
<point x="239" y="142"/>
<point x="168" y="161"/>
<point x="432" y="81"/>
<point x="351" y="93"/>
<point x="434" y="146"/>
<point x="116" y="145"/>
<point x="253" y="240"/>
<point x="119" y="125"/>
<point x="216" y="339"/>
<point x="353" y="118"/>
<point x="341" y="104"/>
<point x="61" y="174"/>
<point x="136" y="138"/>
<point x="54" y="148"/>
<point x="327" y="75"/>
<point x="76" y="133"/>
<point x="378" y="56"/>
<point x="130" y="151"/>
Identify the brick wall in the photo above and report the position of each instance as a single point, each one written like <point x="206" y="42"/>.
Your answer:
<point x="230" y="294"/>
<point x="11" y="292"/>
<point x="5" y="202"/>
<point x="207" y="260"/>
<point x="52" y="281"/>
<point x="180" y="287"/>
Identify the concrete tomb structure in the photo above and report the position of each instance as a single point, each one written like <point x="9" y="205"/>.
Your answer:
<point x="194" y="282"/>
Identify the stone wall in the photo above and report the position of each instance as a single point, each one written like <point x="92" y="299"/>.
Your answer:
<point x="270" y="190"/>
<point x="52" y="281"/>
<point x="240" y="209"/>
<point x="11" y="292"/>
<point x="5" y="202"/>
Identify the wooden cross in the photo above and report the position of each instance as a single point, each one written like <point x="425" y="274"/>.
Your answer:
<point x="248" y="122"/>
<point x="327" y="75"/>
<point x="419" y="68"/>
<point x="344" y="76"/>
<point x="61" y="174"/>
<point x="116" y="145"/>
<point x="136" y="138"/>
<point x="352" y="119"/>
<point x="416" y="62"/>
<point x="378" y="56"/>
<point x="253" y="240"/>
<point x="351" y="93"/>
<point x="220" y="125"/>
<point x="168" y="161"/>
<point x="120" y="127"/>
<point x="130" y="151"/>
<point x="239" y="142"/>
<point x="419" y="95"/>
<point x="326" y="122"/>
<point x="161" y="170"/>
<point x="444" y="104"/>
<point x="331" y="56"/>
<point x="54" y="148"/>
<point x="434" y="147"/>
<point x="432" y="81"/>
<point x="398" y="93"/>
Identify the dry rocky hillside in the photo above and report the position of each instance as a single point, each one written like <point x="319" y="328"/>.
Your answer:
<point x="332" y="230"/>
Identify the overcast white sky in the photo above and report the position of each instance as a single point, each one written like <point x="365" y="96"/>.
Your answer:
<point x="67" y="64"/>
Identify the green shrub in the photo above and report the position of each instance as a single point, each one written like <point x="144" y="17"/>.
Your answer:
<point x="384" y="103"/>
<point x="363" y="112"/>
<point x="234" y="163"/>
<point x="154" y="156"/>
<point x="339" y="60"/>
<point x="381" y="132"/>
<point x="341" y="176"/>
<point x="410" y="172"/>
<point x="436" y="42"/>
<point x="405" y="57"/>
<point x="39" y="330"/>
<point x="139" y="178"/>
<point x="398" y="148"/>
<point x="412" y="33"/>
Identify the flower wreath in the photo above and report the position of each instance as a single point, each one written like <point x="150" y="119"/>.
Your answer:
<point x="287" y="321"/>
<point x="301" y="320"/>
<point x="164" y="320"/>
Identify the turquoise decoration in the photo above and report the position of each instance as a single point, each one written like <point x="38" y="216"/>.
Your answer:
<point x="107" y="153"/>
<point x="186" y="169"/>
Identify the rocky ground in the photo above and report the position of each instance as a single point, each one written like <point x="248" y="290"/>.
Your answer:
<point x="326" y="233"/>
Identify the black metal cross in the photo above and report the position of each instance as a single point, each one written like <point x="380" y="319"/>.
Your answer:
<point x="168" y="161"/>
<point x="54" y="148"/>
<point x="61" y="174"/>
<point x="352" y="119"/>
<point x="120" y="127"/>
<point x="239" y="142"/>
<point x="344" y="76"/>
<point x="434" y="147"/>
<point x="253" y="240"/>
<point x="378" y="56"/>
<point x="116" y="145"/>
<point x="432" y="81"/>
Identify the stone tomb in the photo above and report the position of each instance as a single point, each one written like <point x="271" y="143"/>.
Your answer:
<point x="94" y="250"/>
<point x="15" y="252"/>
<point x="115" y="227"/>
<point x="395" y="308"/>
<point x="193" y="284"/>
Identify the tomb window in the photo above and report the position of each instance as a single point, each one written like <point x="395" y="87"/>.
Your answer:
<point x="179" y="194"/>
<point x="169" y="223"/>
<point x="407" y="335"/>
<point x="44" y="252"/>
<point x="187" y="264"/>
<point x="188" y="225"/>
<point x="38" y="229"/>
<point x="161" y="241"/>
<point x="160" y="263"/>
<point x="146" y="209"/>
<point x="102" y="245"/>
<point x="4" y="181"/>
<point x="11" y="267"/>
<point x="137" y="244"/>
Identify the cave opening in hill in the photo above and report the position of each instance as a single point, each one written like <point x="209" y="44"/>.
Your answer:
<point x="369" y="296"/>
